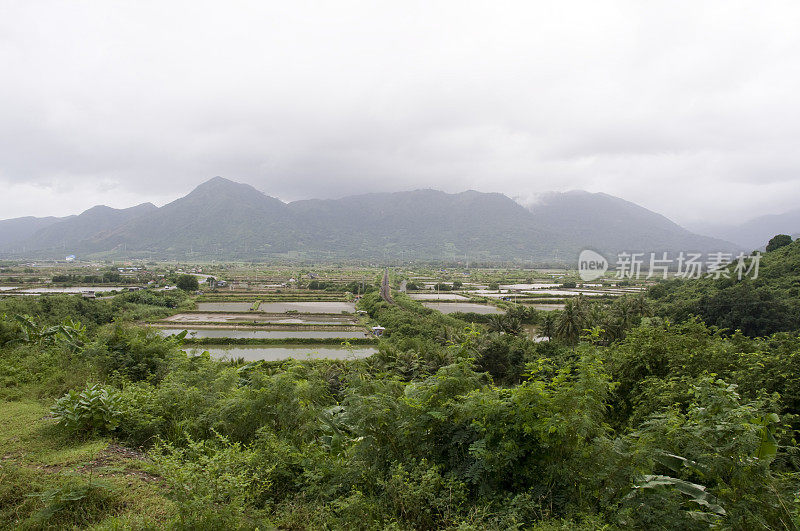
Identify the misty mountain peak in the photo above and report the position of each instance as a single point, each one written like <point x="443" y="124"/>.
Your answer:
<point x="224" y="193"/>
<point x="227" y="217"/>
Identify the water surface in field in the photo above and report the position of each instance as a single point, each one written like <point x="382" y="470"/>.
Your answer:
<point x="75" y="289"/>
<point x="451" y="307"/>
<point x="308" y="307"/>
<point x="224" y="306"/>
<point x="489" y="293"/>
<point x="239" y="333"/>
<point x="270" y="353"/>
<point x="564" y="293"/>
<point x="255" y="317"/>
<point x="545" y="307"/>
<point x="437" y="297"/>
<point x="9" y="288"/>
<point x="528" y="286"/>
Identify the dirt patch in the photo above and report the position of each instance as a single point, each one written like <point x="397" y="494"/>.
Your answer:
<point x="114" y="461"/>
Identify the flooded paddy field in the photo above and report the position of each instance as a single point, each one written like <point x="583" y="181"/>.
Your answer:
<point x="489" y="294"/>
<point x="520" y="287"/>
<point x="464" y="307"/>
<point x="540" y="293"/>
<point x="73" y="289"/>
<point x="265" y="318"/>
<point x="316" y="306"/>
<point x="544" y="307"/>
<point x="224" y="306"/>
<point x="437" y="297"/>
<point x="252" y="296"/>
<point x="309" y="307"/>
<point x="244" y="333"/>
<point x="276" y="353"/>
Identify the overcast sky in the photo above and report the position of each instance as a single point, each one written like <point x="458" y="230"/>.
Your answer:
<point x="690" y="108"/>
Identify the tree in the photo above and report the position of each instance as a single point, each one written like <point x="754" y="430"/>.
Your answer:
<point x="188" y="283"/>
<point x="570" y="323"/>
<point x="111" y="277"/>
<point x="548" y="327"/>
<point x="506" y="324"/>
<point x="641" y="306"/>
<point x="778" y="241"/>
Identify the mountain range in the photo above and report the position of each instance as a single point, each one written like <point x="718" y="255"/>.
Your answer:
<point x="756" y="232"/>
<point x="222" y="219"/>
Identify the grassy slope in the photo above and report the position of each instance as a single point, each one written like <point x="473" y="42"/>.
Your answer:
<point x="35" y="458"/>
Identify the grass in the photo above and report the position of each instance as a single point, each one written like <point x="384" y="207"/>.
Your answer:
<point x="48" y="480"/>
<point x="30" y="437"/>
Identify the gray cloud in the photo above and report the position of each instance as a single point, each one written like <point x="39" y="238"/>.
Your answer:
<point x="120" y="103"/>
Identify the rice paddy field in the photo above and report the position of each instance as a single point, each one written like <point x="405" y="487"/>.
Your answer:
<point x="255" y="311"/>
<point x="277" y="353"/>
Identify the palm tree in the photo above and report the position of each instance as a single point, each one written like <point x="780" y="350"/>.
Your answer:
<point x="581" y="305"/>
<point x="570" y="323"/>
<point x="495" y="323"/>
<point x="548" y="327"/>
<point x="506" y="324"/>
<point x="641" y="306"/>
<point x="595" y="316"/>
<point x="623" y="312"/>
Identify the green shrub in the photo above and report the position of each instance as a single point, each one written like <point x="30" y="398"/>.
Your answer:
<point x="420" y="495"/>
<point x="94" y="410"/>
<point x="213" y="482"/>
<point x="133" y="353"/>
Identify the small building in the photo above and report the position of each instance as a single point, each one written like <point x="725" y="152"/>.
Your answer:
<point x="88" y="294"/>
<point x="221" y="283"/>
<point x="378" y="331"/>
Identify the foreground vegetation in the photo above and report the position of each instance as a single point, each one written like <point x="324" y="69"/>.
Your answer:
<point x="629" y="417"/>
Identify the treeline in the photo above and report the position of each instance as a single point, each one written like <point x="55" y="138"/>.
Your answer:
<point x="353" y="287"/>
<point x="111" y="276"/>
<point x="439" y="286"/>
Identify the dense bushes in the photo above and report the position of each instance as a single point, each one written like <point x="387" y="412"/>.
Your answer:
<point x="450" y="425"/>
<point x="757" y="307"/>
<point x="54" y="309"/>
<point x="131" y="354"/>
<point x="165" y="299"/>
